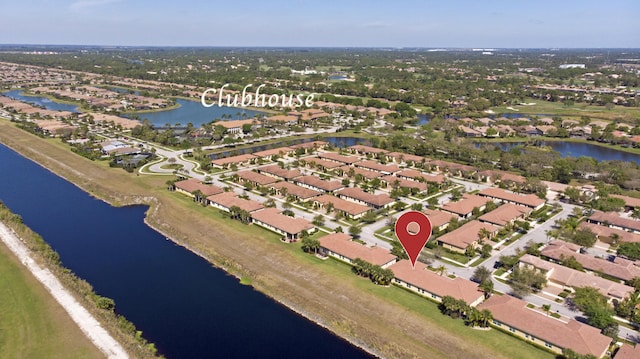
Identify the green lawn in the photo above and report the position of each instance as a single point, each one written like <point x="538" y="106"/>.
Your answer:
<point x="493" y="339"/>
<point x="32" y="323"/>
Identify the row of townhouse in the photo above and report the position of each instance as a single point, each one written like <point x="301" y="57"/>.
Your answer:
<point x="510" y="314"/>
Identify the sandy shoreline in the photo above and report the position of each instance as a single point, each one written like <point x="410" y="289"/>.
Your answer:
<point x="87" y="323"/>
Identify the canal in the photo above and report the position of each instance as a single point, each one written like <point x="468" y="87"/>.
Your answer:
<point x="188" y="308"/>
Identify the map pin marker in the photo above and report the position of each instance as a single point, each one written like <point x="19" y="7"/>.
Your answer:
<point x="413" y="242"/>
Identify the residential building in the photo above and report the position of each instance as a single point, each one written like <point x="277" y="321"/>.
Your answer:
<point x="620" y="268"/>
<point x="347" y="208"/>
<point x="467" y="235"/>
<point x="317" y="184"/>
<point x="528" y="200"/>
<point x="279" y="172"/>
<point x="567" y="278"/>
<point x="290" y="228"/>
<point x="514" y="316"/>
<point x="464" y="207"/>
<point x="225" y="200"/>
<point x="506" y="214"/>
<point x="233" y="160"/>
<point x="613" y="220"/>
<point x="299" y="193"/>
<point x="357" y="195"/>
<point x="190" y="186"/>
<point x="256" y="179"/>
<point x="340" y="246"/>
<point x="377" y="167"/>
<point x="439" y="219"/>
<point x="434" y="286"/>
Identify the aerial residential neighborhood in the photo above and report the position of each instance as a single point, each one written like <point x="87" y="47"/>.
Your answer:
<point x="320" y="180"/>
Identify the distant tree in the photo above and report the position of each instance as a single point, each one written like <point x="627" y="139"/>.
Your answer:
<point x="629" y="250"/>
<point x="524" y="281"/>
<point x="584" y="237"/>
<point x="481" y="274"/>
<point x="487" y="287"/>
<point x="318" y="220"/>
<point x="398" y="251"/>
<point x="355" y="231"/>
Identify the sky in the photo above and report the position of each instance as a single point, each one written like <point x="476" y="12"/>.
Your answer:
<point x="328" y="23"/>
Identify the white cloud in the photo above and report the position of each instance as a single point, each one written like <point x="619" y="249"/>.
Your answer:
<point x="81" y="5"/>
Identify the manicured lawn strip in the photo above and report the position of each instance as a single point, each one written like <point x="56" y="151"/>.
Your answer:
<point x="31" y="318"/>
<point x="496" y="340"/>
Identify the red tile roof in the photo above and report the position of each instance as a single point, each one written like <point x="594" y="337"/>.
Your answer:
<point x="275" y="170"/>
<point x="375" y="200"/>
<point x="273" y="217"/>
<point x="273" y="151"/>
<point x="321" y="162"/>
<point x="628" y="352"/>
<point x="612" y="218"/>
<point x="233" y="159"/>
<point x="342" y="244"/>
<point x="576" y="279"/>
<point x="602" y="231"/>
<point x="327" y="186"/>
<point x="621" y="268"/>
<point x="367" y="149"/>
<point x="194" y="184"/>
<point x="423" y="278"/>
<point x="402" y="182"/>
<point x="505" y="214"/>
<point x="361" y="171"/>
<point x="437" y="217"/>
<point x="416" y="175"/>
<point x="229" y="199"/>
<point x="579" y="337"/>
<point x="466" y="234"/>
<point x="340" y="204"/>
<point x="466" y="205"/>
<point x="629" y="201"/>
<point x="258" y="178"/>
<point x="529" y="200"/>
<point x="375" y="166"/>
<point x="332" y="156"/>
<point x="297" y="191"/>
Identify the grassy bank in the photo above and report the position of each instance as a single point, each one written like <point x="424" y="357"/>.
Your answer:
<point x="388" y="321"/>
<point x="33" y="324"/>
<point x="121" y="329"/>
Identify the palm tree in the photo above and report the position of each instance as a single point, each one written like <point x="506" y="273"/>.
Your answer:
<point x="441" y="269"/>
<point x="487" y="287"/>
<point x="483" y="234"/>
<point x="485" y="317"/>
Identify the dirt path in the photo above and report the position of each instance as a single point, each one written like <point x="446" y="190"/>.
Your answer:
<point x="87" y="323"/>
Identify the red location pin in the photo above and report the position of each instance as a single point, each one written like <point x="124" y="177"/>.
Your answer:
<point x="413" y="242"/>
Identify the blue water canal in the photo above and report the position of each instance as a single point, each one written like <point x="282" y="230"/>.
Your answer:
<point x="180" y="302"/>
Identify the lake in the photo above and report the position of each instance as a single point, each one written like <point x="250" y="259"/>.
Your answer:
<point x="41" y="101"/>
<point x="188" y="308"/>
<point x="194" y="112"/>
<point x="578" y="149"/>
